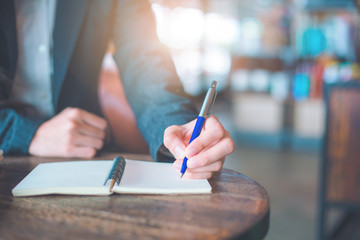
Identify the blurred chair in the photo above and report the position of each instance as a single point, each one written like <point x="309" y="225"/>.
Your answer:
<point x="340" y="164"/>
<point x="118" y="112"/>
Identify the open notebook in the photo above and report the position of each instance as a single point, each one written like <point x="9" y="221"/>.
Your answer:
<point x="88" y="178"/>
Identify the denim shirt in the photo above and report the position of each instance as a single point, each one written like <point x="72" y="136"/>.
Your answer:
<point x="33" y="77"/>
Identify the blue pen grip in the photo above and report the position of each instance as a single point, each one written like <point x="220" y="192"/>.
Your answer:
<point x="197" y="130"/>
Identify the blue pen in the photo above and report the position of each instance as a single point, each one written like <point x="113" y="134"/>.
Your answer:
<point x="204" y="112"/>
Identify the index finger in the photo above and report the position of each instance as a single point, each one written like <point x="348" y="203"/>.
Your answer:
<point x="173" y="141"/>
<point x="213" y="131"/>
<point x="88" y="118"/>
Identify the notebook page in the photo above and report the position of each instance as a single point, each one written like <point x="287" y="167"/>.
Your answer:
<point x="158" y="178"/>
<point x="73" y="177"/>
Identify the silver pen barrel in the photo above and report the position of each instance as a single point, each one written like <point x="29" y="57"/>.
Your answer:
<point x="208" y="101"/>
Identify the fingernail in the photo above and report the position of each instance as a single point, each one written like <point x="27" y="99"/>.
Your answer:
<point x="192" y="164"/>
<point x="179" y="152"/>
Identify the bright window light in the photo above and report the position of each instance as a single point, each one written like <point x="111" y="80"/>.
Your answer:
<point x="221" y="30"/>
<point x="251" y="29"/>
<point x="217" y="60"/>
<point x="179" y="28"/>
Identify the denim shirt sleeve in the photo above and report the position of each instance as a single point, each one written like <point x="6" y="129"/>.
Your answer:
<point x="150" y="81"/>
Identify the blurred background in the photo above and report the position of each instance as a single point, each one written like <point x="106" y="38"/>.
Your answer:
<point x="272" y="59"/>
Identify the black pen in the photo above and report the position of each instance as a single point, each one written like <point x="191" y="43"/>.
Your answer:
<point x="204" y="113"/>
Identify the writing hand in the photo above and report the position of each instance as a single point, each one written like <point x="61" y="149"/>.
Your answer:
<point x="206" y="154"/>
<point x="71" y="133"/>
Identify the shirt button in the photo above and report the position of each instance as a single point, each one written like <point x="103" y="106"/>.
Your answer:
<point x="42" y="48"/>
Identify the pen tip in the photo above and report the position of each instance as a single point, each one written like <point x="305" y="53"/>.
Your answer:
<point x="181" y="175"/>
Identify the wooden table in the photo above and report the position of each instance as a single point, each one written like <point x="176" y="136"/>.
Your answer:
<point x="238" y="208"/>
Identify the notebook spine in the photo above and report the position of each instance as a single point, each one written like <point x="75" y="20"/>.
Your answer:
<point x="117" y="170"/>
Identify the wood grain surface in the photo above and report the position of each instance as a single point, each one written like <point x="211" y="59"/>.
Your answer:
<point x="343" y="151"/>
<point x="238" y="208"/>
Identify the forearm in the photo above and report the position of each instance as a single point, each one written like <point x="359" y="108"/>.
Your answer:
<point x="152" y="86"/>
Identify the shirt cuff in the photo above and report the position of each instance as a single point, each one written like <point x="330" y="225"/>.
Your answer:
<point x="21" y="136"/>
<point x="164" y="155"/>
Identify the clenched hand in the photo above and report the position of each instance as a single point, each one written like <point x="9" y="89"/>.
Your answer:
<point x="71" y="133"/>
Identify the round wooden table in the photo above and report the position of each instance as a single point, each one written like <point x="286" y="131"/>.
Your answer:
<point x="238" y="208"/>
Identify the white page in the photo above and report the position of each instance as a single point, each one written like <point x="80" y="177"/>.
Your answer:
<point x="158" y="178"/>
<point x="75" y="177"/>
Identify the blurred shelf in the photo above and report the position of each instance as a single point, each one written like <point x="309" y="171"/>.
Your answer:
<point x="272" y="141"/>
<point x="263" y="121"/>
<point x="326" y="5"/>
